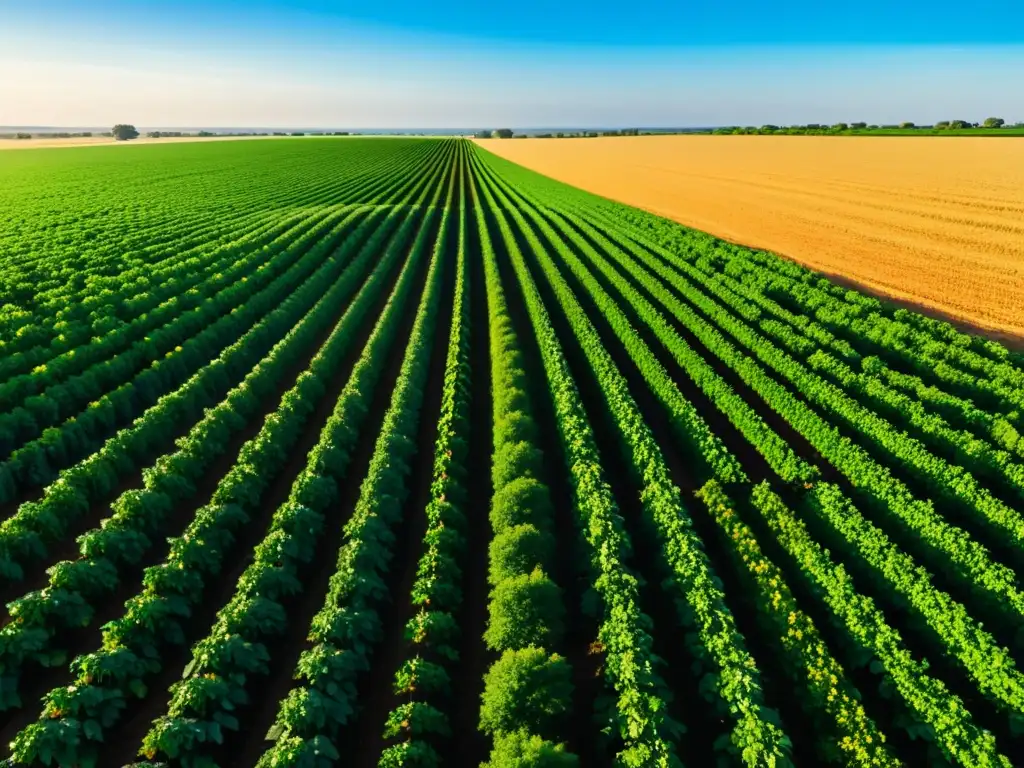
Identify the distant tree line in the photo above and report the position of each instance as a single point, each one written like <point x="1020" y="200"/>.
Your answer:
<point x="507" y="133"/>
<point x="59" y="135"/>
<point x="500" y="133"/>
<point x="209" y="134"/>
<point x="991" y="123"/>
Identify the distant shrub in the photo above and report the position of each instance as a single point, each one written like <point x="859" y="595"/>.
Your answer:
<point x="123" y="132"/>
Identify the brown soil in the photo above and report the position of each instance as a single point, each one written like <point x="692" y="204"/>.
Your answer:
<point x="931" y="221"/>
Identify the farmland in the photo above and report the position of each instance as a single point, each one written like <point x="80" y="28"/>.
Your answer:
<point x="44" y="142"/>
<point x="932" y="221"/>
<point x="391" y="452"/>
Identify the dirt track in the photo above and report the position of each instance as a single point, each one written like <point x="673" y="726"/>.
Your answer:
<point x="938" y="222"/>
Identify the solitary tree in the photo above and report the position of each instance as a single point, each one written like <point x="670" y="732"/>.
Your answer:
<point x="502" y="133"/>
<point x="907" y="125"/>
<point x="125" y="132"/>
<point x="959" y="124"/>
<point x="994" y="122"/>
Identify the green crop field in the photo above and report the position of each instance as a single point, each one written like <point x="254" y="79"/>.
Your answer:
<point x="389" y="452"/>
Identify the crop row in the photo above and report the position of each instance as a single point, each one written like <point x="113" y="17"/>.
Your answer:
<point x="344" y="632"/>
<point x="75" y="718"/>
<point x="946" y="545"/>
<point x="423" y="682"/>
<point x="716" y="508"/>
<point x="991" y="667"/>
<point x="140" y="516"/>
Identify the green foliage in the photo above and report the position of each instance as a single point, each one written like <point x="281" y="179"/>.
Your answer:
<point x="636" y="715"/>
<point x="519" y="501"/>
<point x="234" y="652"/>
<point x="523" y="610"/>
<point x="348" y="625"/>
<point x="123" y="132"/>
<point x="705" y="276"/>
<point x="171" y="380"/>
<point x="526" y="688"/>
<point x="959" y="736"/>
<point x="418" y="676"/>
<point x="521" y="749"/>
<point x="516" y="427"/>
<point x="515" y="460"/>
<point x="410" y="754"/>
<point x="416" y="720"/>
<point x="526" y="606"/>
<point x="517" y="551"/>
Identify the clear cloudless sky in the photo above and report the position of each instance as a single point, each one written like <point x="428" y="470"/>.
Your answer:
<point x="525" y="63"/>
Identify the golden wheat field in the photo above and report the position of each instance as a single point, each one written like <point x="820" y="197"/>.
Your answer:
<point x="938" y="222"/>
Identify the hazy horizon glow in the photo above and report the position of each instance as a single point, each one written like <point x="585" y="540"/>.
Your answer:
<point x="313" y="65"/>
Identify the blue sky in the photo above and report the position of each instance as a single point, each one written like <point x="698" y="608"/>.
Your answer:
<point x="316" y="63"/>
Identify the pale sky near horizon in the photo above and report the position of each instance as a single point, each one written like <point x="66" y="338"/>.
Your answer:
<point x="310" y="63"/>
